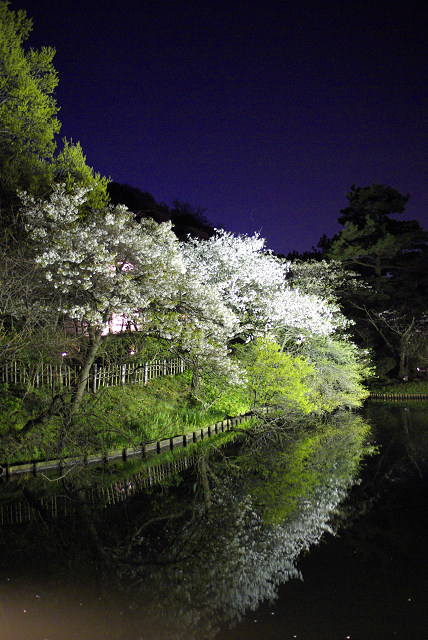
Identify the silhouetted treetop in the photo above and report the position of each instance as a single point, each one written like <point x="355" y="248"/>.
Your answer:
<point x="141" y="203"/>
<point x="376" y="201"/>
<point x="187" y="220"/>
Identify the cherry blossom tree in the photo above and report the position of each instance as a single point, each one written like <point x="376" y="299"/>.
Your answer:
<point x="104" y="264"/>
<point x="253" y="284"/>
<point x="100" y="264"/>
<point x="300" y="313"/>
<point x="200" y="295"/>
<point x="207" y="325"/>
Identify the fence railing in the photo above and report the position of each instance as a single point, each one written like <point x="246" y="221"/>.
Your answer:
<point x="18" y="511"/>
<point x="143" y="451"/>
<point x="398" y="396"/>
<point x="63" y="375"/>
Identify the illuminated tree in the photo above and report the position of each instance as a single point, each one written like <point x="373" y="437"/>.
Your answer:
<point x="252" y="283"/>
<point x="27" y="108"/>
<point x="69" y="167"/>
<point x="101" y="264"/>
<point x="206" y="326"/>
<point x="275" y="378"/>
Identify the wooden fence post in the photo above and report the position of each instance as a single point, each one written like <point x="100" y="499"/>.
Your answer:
<point x="94" y="377"/>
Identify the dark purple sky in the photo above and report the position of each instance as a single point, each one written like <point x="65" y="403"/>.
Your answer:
<point x="263" y="113"/>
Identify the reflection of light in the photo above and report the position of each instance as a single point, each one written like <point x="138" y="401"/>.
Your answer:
<point x="64" y="353"/>
<point x="132" y="353"/>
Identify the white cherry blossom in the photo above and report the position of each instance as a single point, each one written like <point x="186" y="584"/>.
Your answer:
<point x="105" y="263"/>
<point x="253" y="284"/>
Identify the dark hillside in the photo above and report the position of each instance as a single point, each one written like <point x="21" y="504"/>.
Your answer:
<point x="187" y="220"/>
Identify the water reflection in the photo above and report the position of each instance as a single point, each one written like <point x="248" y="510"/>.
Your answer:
<point x="164" y="565"/>
<point x="38" y="610"/>
<point x="370" y="582"/>
<point x="393" y="496"/>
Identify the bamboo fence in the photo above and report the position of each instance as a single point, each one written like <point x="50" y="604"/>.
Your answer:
<point x="398" y="396"/>
<point x="63" y="375"/>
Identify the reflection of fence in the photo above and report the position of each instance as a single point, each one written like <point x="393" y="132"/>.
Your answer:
<point x="120" y="491"/>
<point x="100" y="376"/>
<point x="143" y="451"/>
<point x="53" y="506"/>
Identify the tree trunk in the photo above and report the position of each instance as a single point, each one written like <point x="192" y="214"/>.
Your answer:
<point x="404" y="351"/>
<point x="95" y="337"/>
<point x="205" y="482"/>
<point x="403" y="370"/>
<point x="196" y="379"/>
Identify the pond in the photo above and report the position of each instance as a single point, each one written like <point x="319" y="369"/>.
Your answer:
<point x="159" y="568"/>
<point x="370" y="582"/>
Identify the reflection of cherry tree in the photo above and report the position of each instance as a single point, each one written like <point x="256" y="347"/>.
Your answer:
<point x="221" y="563"/>
<point x="216" y="568"/>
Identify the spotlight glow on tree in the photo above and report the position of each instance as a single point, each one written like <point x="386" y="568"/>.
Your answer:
<point x="102" y="264"/>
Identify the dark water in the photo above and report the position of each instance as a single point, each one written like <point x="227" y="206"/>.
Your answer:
<point x="369" y="581"/>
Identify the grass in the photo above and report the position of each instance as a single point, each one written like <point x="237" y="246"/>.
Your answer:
<point x="161" y="409"/>
<point x="111" y="418"/>
<point x="105" y="476"/>
<point x="416" y="386"/>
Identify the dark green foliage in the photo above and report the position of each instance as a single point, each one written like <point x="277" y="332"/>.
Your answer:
<point x="390" y="256"/>
<point x="141" y="203"/>
<point x="133" y="346"/>
<point x="186" y="219"/>
<point x="11" y="409"/>
<point x="402" y="388"/>
<point x="376" y="202"/>
<point x="190" y="221"/>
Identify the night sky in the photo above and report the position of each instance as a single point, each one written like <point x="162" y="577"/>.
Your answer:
<point x="262" y="113"/>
